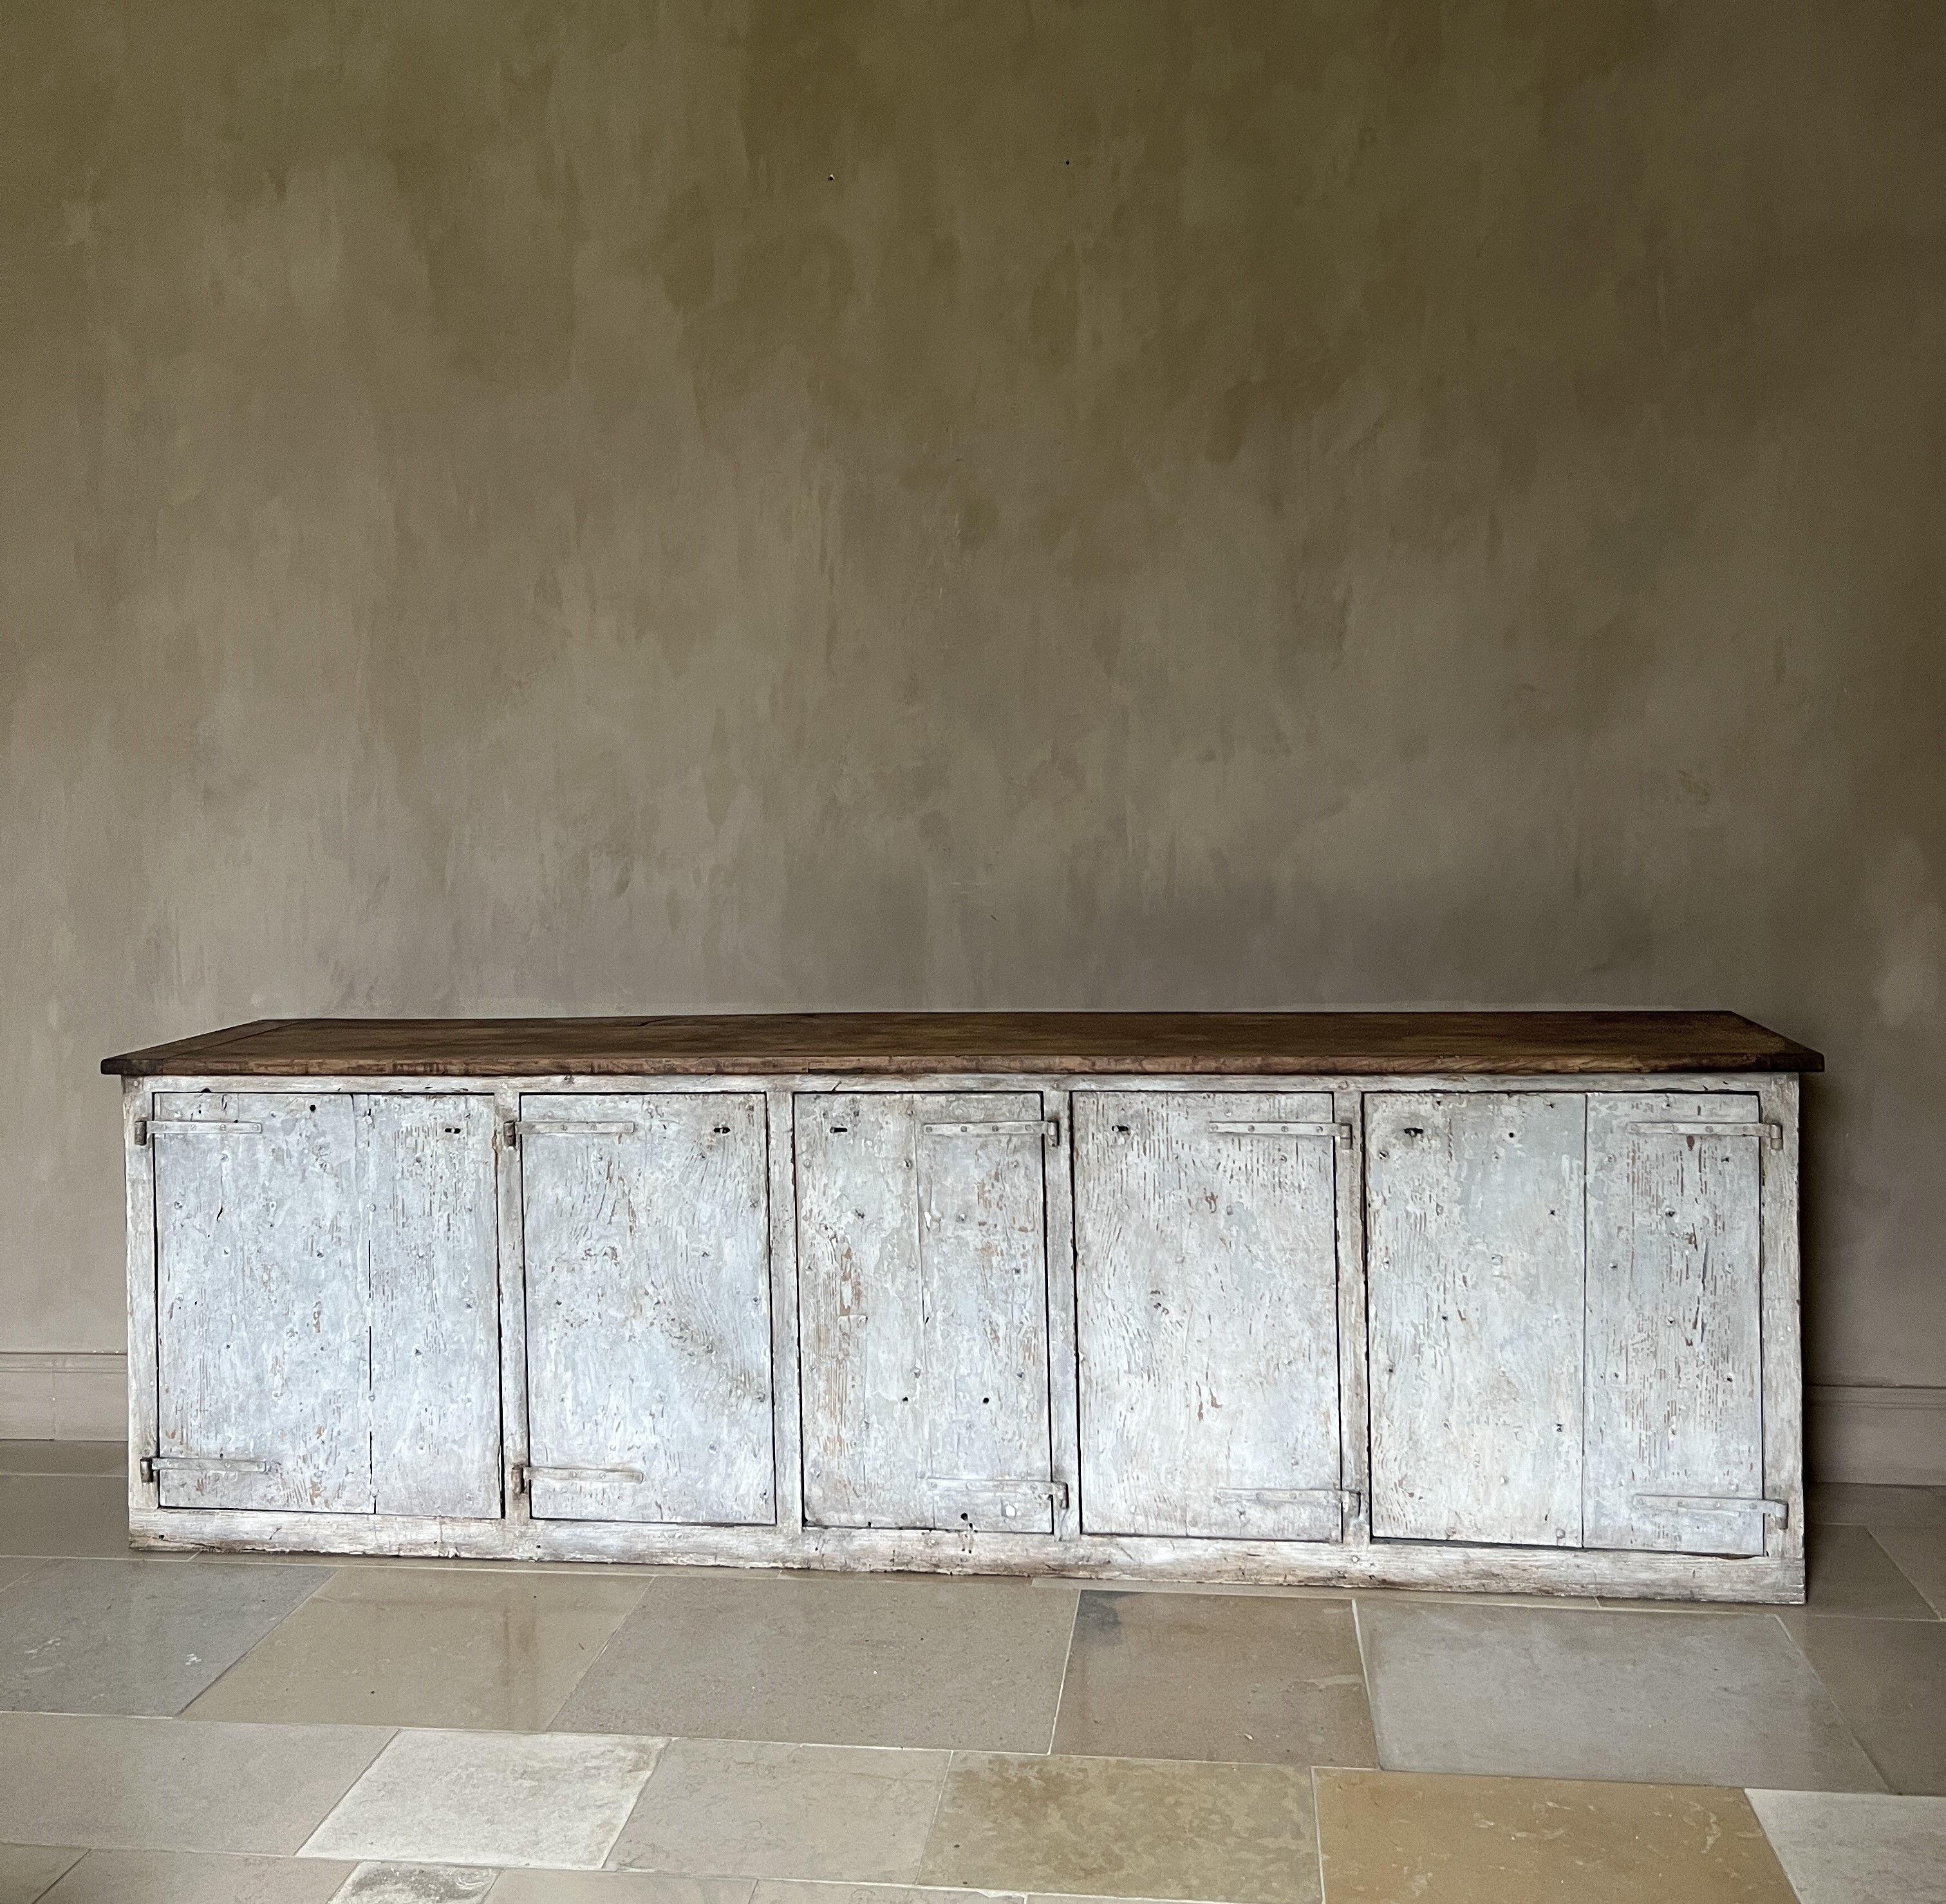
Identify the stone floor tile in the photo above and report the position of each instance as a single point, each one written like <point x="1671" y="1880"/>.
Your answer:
<point x="728" y="1808"/>
<point x="426" y="1647"/>
<point x="1888" y="1678"/>
<point x="1664" y="1698"/>
<point x="136" y="1636"/>
<point x="17" y="1566"/>
<point x="1191" y="1676"/>
<point x="416" y="1884"/>
<point x="1919" y="1554"/>
<point x="196" y="1877"/>
<point x="489" y="1798"/>
<point x="1850" y="1575"/>
<point x="64" y="1457"/>
<point x="1857" y="1505"/>
<point x="1126" y="1828"/>
<point x="1386" y="1836"/>
<point x="64" y="1514"/>
<point x="1857" y="1847"/>
<point x="27" y="1870"/>
<point x="640" y="1887"/>
<point x="835" y="1659"/>
<point x="165" y="1784"/>
<point x="790" y="1890"/>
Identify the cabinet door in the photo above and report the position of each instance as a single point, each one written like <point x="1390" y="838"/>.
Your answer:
<point x="1675" y="1371"/>
<point x="648" y="1308"/>
<point x="1207" y="1276"/>
<point x="1476" y="1242"/>
<point x="264" y="1394"/>
<point x="923" y="1311"/>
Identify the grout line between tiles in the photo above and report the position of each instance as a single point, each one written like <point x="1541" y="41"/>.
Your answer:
<point x="1067" y="1660"/>
<point x="938" y="1805"/>
<point x="580" y="1678"/>
<point x="1317" y="1824"/>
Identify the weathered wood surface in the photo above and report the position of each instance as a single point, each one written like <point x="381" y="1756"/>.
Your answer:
<point x="263" y="1335"/>
<point x="1475" y="1248"/>
<point x="1206" y="1265"/>
<point x="648" y="1331"/>
<point x="425" y="1197"/>
<point x="1295" y="1043"/>
<point x="923" y="1311"/>
<point x="1674" y="1358"/>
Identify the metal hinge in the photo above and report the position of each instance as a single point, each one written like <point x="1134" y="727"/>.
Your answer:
<point x="1769" y="1134"/>
<point x="144" y="1125"/>
<point x="1714" y="1504"/>
<point x="999" y="1487"/>
<point x="524" y="1472"/>
<point x="1347" y="1498"/>
<point x="1048" y="1127"/>
<point x="515" y="1128"/>
<point x="1340" y="1133"/>
<point x="151" y="1466"/>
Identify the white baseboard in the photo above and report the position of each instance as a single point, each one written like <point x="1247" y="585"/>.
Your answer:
<point x="63" y="1395"/>
<point x="1856" y="1433"/>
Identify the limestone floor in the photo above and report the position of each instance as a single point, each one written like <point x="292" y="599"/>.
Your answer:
<point x="190" y="1729"/>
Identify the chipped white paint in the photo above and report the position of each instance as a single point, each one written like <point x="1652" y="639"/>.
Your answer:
<point x="648" y="1328"/>
<point x="922" y="1287"/>
<point x="1206" y="1268"/>
<point x="1674" y="1360"/>
<point x="1475" y="1244"/>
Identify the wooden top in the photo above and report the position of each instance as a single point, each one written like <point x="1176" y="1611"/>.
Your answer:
<point x="1357" y="1044"/>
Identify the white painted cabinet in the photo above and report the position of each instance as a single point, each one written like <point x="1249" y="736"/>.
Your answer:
<point x="648" y="1331"/>
<point x="327" y="1327"/>
<point x="923" y="1310"/>
<point x="1206" y="1278"/>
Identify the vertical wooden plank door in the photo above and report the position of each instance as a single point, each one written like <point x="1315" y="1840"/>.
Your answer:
<point x="923" y="1311"/>
<point x="1206" y="1272"/>
<point x="648" y="1329"/>
<point x="1474" y="1254"/>
<point x="1675" y="1460"/>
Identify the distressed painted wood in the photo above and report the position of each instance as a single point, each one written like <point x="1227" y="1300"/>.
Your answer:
<point x="1779" y="1170"/>
<point x="1674" y="1354"/>
<point x="922" y="1287"/>
<point x="1475" y="1269"/>
<point x="1206" y="1277"/>
<point x="648" y="1327"/>
<point x="426" y="1200"/>
<point x="262" y="1330"/>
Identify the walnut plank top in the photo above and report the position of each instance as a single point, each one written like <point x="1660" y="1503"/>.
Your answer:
<point x="1348" y="1044"/>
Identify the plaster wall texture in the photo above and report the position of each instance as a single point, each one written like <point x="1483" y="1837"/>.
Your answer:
<point x="510" y="507"/>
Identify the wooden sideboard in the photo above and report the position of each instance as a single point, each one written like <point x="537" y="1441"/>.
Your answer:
<point x="1502" y="1301"/>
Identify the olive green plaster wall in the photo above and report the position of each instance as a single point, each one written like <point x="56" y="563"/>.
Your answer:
<point x="579" y="507"/>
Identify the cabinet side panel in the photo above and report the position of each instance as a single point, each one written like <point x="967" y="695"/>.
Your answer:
<point x="1675" y="1369"/>
<point x="263" y="1323"/>
<point x="648" y="1308"/>
<point x="1206" y="1295"/>
<point x="426" y="1178"/>
<point x="1475" y="1253"/>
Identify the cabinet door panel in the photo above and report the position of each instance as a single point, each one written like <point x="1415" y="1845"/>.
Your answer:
<point x="427" y="1195"/>
<point x="263" y="1378"/>
<point x="648" y="1308"/>
<point x="923" y="1311"/>
<point x="1207" y="1285"/>
<point x="1475" y="1249"/>
<point x="1674" y="1369"/>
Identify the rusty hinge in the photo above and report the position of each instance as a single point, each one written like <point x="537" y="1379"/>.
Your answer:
<point x="144" y="1126"/>
<point x="524" y="1473"/>
<point x="515" y="1128"/>
<point x="1770" y="1135"/>
<point x="151" y="1466"/>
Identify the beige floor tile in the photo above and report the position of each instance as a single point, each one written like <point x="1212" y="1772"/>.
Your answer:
<point x="1186" y="1676"/>
<point x="729" y="1807"/>
<point x="1671" y="1698"/>
<point x="1126" y="1828"/>
<point x="489" y="1798"/>
<point x="835" y="1659"/>
<point x="165" y="1785"/>
<point x="15" y="1566"/>
<point x="196" y="1877"/>
<point x="1850" y="1575"/>
<point x="426" y="1647"/>
<point x="416" y="1884"/>
<point x="1888" y="1678"/>
<point x="1389" y="1837"/>
<point x="1848" y="1847"/>
<point x="64" y="1457"/>
<point x="631" y="1887"/>
<point x="1855" y="1505"/>
<point x="27" y="1870"/>
<point x="70" y="1514"/>
<point x="1919" y="1554"/>
<point x="136" y="1636"/>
